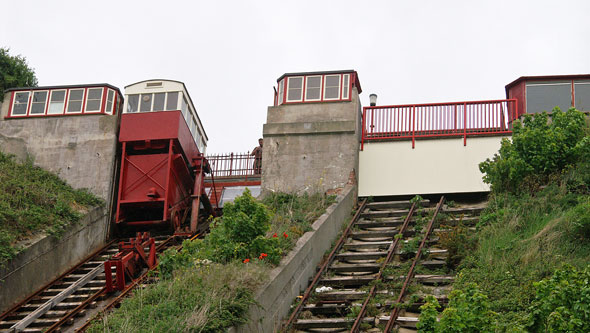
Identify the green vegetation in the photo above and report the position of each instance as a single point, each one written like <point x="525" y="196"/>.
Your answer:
<point x="468" y="311"/>
<point x="210" y="283"/>
<point x="529" y="256"/>
<point x="33" y="200"/>
<point x="203" y="298"/>
<point x="14" y="72"/>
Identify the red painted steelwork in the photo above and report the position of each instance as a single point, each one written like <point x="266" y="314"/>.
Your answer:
<point x="457" y="119"/>
<point x="157" y="183"/>
<point x="232" y="165"/>
<point x="130" y="260"/>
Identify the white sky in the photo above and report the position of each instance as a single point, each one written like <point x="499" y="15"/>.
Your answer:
<point x="230" y="53"/>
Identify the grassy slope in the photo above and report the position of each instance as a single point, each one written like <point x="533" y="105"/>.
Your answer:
<point x="205" y="298"/>
<point x="521" y="240"/>
<point x="33" y="200"/>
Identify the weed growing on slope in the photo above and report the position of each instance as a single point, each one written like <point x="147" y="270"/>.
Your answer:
<point x="33" y="200"/>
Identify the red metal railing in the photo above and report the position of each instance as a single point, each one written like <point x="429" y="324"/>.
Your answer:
<point x="233" y="165"/>
<point x="438" y="120"/>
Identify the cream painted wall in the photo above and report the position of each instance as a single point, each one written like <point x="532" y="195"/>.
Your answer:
<point x="434" y="166"/>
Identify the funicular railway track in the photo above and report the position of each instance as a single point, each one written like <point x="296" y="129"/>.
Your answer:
<point x="71" y="297"/>
<point x="386" y="262"/>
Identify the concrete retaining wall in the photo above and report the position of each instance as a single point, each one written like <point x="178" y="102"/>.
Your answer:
<point x="434" y="166"/>
<point x="293" y="274"/>
<point x="47" y="258"/>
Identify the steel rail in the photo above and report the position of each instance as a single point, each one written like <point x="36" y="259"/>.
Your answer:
<point x="390" y="253"/>
<point x="324" y="266"/>
<point x="395" y="312"/>
<point x="54" y="281"/>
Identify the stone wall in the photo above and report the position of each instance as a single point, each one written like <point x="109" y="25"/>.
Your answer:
<point x="311" y="147"/>
<point x="47" y="257"/>
<point x="292" y="276"/>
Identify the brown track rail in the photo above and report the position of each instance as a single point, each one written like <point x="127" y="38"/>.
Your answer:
<point x="54" y="281"/>
<point x="410" y="274"/>
<point x="390" y="253"/>
<point x="324" y="266"/>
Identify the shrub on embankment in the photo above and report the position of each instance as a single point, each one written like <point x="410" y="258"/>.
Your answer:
<point x="532" y="244"/>
<point x="210" y="283"/>
<point x="32" y="201"/>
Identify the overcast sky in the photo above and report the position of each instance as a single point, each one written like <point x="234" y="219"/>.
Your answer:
<point x="230" y="53"/>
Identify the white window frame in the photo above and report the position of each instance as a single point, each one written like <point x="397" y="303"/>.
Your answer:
<point x="99" y="100"/>
<point x="64" y="104"/>
<point x="289" y="86"/>
<point x="106" y="110"/>
<point x="70" y="99"/>
<point x="30" y="107"/>
<point x="345" y="88"/>
<point x="151" y="102"/>
<point x="178" y="96"/>
<point x="339" y="88"/>
<point x="281" y="95"/>
<point x="14" y="103"/>
<point x="320" y="88"/>
<point x="127" y="99"/>
<point x="154" y="100"/>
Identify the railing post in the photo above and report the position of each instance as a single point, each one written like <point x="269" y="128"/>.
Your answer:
<point x="413" y="126"/>
<point x="455" y="130"/>
<point x="231" y="163"/>
<point x="364" y="119"/>
<point x="464" y="124"/>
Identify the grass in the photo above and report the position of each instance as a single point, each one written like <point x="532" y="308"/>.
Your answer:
<point x="294" y="214"/>
<point x="522" y="239"/>
<point x="204" y="298"/>
<point x="33" y="201"/>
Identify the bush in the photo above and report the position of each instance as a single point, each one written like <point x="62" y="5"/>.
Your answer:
<point x="539" y="148"/>
<point x="241" y="234"/>
<point x="468" y="311"/>
<point x="562" y="302"/>
<point x="579" y="218"/>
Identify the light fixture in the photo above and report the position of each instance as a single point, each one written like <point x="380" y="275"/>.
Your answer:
<point x="373" y="99"/>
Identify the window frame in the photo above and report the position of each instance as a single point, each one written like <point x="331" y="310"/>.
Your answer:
<point x="29" y="95"/>
<point x="281" y="94"/>
<point x="321" y="91"/>
<point x="82" y="104"/>
<point x="337" y="98"/>
<point x="289" y="87"/>
<point x="99" y="99"/>
<point x="106" y="103"/>
<point x="177" y="92"/>
<point x="30" y="106"/>
<point x="141" y="99"/>
<point x="345" y="88"/>
<point x="64" y="102"/>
